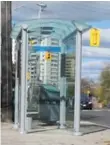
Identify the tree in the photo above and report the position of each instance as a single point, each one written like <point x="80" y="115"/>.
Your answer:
<point x="98" y="92"/>
<point x="105" y="84"/>
<point x="87" y="84"/>
<point x="70" y="90"/>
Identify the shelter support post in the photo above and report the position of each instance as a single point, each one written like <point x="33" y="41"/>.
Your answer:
<point x="23" y="79"/>
<point x="62" y="91"/>
<point x="16" y="121"/>
<point x="78" y="83"/>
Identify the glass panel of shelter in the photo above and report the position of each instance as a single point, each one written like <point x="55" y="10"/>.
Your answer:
<point x="43" y="103"/>
<point x="18" y="85"/>
<point x="43" y="78"/>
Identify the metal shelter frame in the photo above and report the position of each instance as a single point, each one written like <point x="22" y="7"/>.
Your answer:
<point x="62" y="30"/>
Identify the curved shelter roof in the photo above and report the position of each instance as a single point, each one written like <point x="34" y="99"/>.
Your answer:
<point x="54" y="28"/>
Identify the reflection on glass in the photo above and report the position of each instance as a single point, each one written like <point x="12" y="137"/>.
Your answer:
<point x="33" y="98"/>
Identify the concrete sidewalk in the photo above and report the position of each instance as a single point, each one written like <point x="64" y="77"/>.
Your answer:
<point x="11" y="136"/>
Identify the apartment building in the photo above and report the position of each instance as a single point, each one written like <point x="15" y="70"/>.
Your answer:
<point x="49" y="70"/>
<point x="70" y="67"/>
<point x="33" y="66"/>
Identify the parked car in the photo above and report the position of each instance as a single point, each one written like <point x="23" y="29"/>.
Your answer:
<point x="86" y="102"/>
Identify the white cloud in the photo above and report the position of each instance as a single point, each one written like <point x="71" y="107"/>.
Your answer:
<point x="93" y="68"/>
<point x="95" y="52"/>
<point x="93" y="64"/>
<point x="91" y="76"/>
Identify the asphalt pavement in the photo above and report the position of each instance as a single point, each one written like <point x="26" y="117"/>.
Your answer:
<point x="91" y="120"/>
<point x="101" y="117"/>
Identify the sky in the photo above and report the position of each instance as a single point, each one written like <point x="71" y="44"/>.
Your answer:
<point x="94" y="58"/>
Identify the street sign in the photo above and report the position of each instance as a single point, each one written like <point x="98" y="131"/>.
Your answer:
<point x="48" y="56"/>
<point x="94" y="37"/>
<point x="46" y="48"/>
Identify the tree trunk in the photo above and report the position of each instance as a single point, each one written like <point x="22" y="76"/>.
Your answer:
<point x="6" y="60"/>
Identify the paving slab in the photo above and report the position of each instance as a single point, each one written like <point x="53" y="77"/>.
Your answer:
<point x="10" y="136"/>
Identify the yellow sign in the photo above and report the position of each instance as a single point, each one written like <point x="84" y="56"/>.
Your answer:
<point x="28" y="76"/>
<point x="48" y="56"/>
<point x="94" y="37"/>
<point x="88" y="92"/>
<point x="32" y="42"/>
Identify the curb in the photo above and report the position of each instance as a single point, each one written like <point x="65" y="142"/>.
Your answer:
<point x="96" y="110"/>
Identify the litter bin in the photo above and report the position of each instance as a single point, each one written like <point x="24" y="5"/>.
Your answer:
<point x="49" y="103"/>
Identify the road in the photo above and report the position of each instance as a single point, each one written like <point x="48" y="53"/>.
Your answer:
<point x="101" y="117"/>
<point x="91" y="120"/>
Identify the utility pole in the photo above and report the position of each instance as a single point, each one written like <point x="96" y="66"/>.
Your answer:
<point x="6" y="59"/>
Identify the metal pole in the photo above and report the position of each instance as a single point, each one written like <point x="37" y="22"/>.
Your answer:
<point x="28" y="121"/>
<point x="39" y="13"/>
<point x="23" y="78"/>
<point x="78" y="84"/>
<point x="0" y="48"/>
<point x="62" y="91"/>
<point x="59" y="70"/>
<point x="45" y="72"/>
<point x="16" y="121"/>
